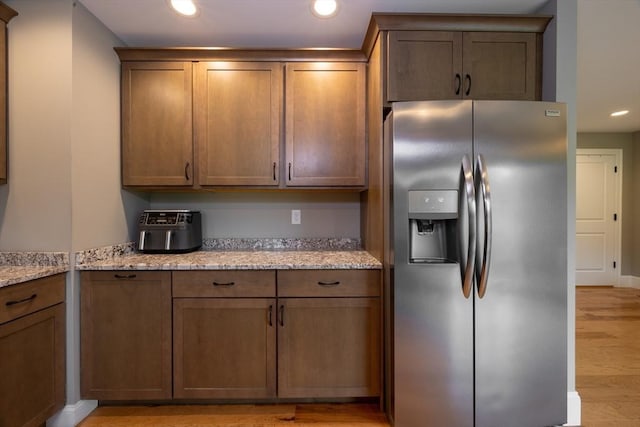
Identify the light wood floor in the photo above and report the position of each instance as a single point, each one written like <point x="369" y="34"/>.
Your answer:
<point x="607" y="379"/>
<point x="310" y="415"/>
<point x="608" y="356"/>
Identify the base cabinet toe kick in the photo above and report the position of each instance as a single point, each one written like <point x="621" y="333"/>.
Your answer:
<point x="219" y="335"/>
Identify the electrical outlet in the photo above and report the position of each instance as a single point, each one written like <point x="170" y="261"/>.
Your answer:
<point x="295" y="216"/>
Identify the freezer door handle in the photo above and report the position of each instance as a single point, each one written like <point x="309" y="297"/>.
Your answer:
<point x="470" y="195"/>
<point x="483" y="261"/>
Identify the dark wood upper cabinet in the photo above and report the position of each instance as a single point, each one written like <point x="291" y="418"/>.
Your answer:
<point x="456" y="56"/>
<point x="157" y="143"/>
<point x="325" y="124"/>
<point x="424" y="65"/>
<point x="237" y="122"/>
<point x="6" y="14"/>
<point x="250" y="126"/>
<point x="501" y="66"/>
<point x="470" y="65"/>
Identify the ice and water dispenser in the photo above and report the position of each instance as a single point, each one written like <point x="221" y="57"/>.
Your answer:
<point x="433" y="226"/>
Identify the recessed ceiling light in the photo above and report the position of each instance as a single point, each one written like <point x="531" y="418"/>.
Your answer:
<point x="619" y="113"/>
<point x="184" y="7"/>
<point x="324" y="8"/>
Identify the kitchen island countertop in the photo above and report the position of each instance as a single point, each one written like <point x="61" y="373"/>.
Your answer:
<point x="238" y="260"/>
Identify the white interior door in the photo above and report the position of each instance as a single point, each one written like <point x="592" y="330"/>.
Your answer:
<point x="597" y="192"/>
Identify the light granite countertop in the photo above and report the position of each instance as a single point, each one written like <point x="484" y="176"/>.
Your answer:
<point x="238" y="260"/>
<point x="11" y="275"/>
<point x="19" y="267"/>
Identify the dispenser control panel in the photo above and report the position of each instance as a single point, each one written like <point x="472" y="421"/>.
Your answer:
<point x="433" y="204"/>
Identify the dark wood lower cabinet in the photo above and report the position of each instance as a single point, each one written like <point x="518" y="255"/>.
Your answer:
<point x="32" y="367"/>
<point x="224" y="348"/>
<point x="328" y="347"/>
<point x="126" y="335"/>
<point x="227" y="335"/>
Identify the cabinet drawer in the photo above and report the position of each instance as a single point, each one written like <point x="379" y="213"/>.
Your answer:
<point x="128" y="275"/>
<point x="328" y="283"/>
<point x="224" y="284"/>
<point x="28" y="297"/>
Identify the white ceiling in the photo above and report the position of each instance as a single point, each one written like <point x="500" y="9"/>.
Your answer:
<point x="608" y="37"/>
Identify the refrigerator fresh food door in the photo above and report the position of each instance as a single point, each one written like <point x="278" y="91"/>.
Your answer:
<point x="433" y="320"/>
<point x="520" y="322"/>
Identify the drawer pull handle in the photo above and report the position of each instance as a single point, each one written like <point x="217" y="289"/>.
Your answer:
<point x="21" y="301"/>
<point x="270" y="315"/>
<point x="336" y="283"/>
<point x="224" y="284"/>
<point x="124" y="276"/>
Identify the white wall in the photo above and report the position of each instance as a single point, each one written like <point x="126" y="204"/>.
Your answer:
<point x="36" y="202"/>
<point x="559" y="77"/>
<point x="103" y="213"/>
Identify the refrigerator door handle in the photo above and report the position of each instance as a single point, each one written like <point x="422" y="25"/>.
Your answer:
<point x="484" y="261"/>
<point x="470" y="195"/>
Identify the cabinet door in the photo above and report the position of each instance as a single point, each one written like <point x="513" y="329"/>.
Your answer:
<point x="32" y="367"/>
<point x="224" y="348"/>
<point x="424" y="65"/>
<point x="328" y="347"/>
<point x="157" y="145"/>
<point x="126" y="335"/>
<point x="237" y="122"/>
<point x="500" y="66"/>
<point x="325" y="124"/>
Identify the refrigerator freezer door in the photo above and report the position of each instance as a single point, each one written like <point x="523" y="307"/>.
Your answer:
<point x="521" y="329"/>
<point x="433" y="321"/>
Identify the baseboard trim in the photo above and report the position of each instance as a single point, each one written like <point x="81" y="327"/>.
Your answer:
<point x="629" y="282"/>
<point x="574" y="409"/>
<point x="71" y="415"/>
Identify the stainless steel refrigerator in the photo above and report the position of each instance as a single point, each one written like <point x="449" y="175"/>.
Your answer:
<point x="478" y="263"/>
